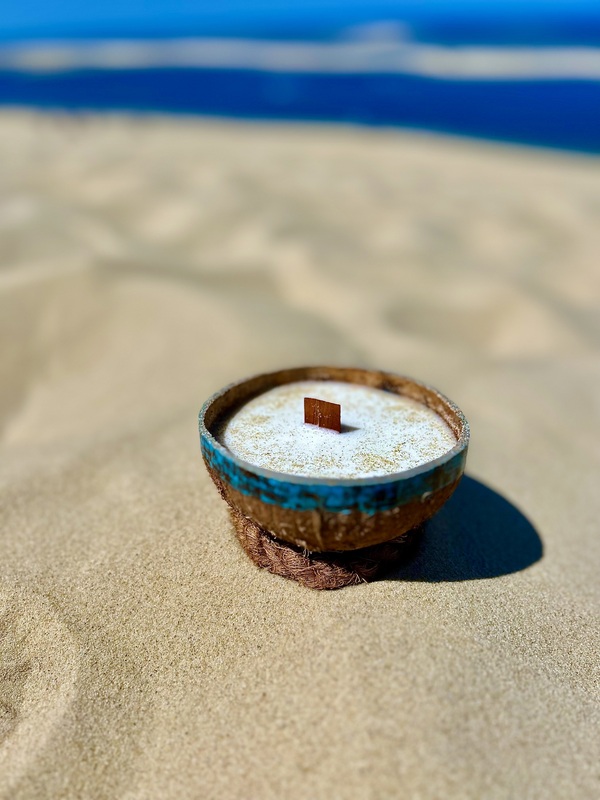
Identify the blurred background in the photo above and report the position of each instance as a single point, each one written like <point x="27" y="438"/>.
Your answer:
<point x="290" y="164"/>
<point x="523" y="71"/>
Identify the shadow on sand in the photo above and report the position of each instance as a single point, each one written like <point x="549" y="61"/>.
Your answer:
<point x="478" y="534"/>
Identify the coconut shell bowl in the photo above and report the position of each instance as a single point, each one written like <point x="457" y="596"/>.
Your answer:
<point x="328" y="532"/>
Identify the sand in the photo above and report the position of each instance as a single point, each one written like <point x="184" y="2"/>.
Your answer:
<point x="382" y="432"/>
<point x="146" y="263"/>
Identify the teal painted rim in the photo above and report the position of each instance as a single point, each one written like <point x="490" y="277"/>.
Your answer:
<point x="344" y="495"/>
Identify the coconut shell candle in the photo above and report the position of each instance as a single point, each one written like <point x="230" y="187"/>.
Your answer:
<point x="329" y="472"/>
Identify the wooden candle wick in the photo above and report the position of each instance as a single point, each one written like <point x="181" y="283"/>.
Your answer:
<point x="323" y="414"/>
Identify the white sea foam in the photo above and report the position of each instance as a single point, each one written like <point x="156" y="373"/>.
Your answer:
<point x="390" y="54"/>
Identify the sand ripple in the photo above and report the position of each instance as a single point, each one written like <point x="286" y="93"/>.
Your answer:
<point x="38" y="668"/>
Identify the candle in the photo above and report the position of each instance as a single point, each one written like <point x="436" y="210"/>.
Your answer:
<point x="330" y="471"/>
<point x="382" y="432"/>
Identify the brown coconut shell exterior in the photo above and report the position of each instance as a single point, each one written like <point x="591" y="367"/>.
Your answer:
<point x="325" y="531"/>
<point x="320" y="530"/>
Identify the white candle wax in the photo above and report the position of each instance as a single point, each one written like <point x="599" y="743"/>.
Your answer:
<point x="382" y="432"/>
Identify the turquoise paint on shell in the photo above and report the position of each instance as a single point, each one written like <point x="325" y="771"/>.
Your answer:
<point x="367" y="496"/>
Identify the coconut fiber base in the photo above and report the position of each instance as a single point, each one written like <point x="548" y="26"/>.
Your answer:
<point x="319" y="570"/>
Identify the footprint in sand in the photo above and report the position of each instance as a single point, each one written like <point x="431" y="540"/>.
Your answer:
<point x="38" y="666"/>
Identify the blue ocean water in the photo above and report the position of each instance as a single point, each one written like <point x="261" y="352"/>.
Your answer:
<point x="527" y="72"/>
<point x="553" y="113"/>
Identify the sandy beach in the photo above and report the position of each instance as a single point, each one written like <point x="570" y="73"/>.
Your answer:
<point x="146" y="262"/>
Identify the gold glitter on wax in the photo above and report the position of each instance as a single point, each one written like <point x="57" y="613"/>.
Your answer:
<point x="382" y="433"/>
